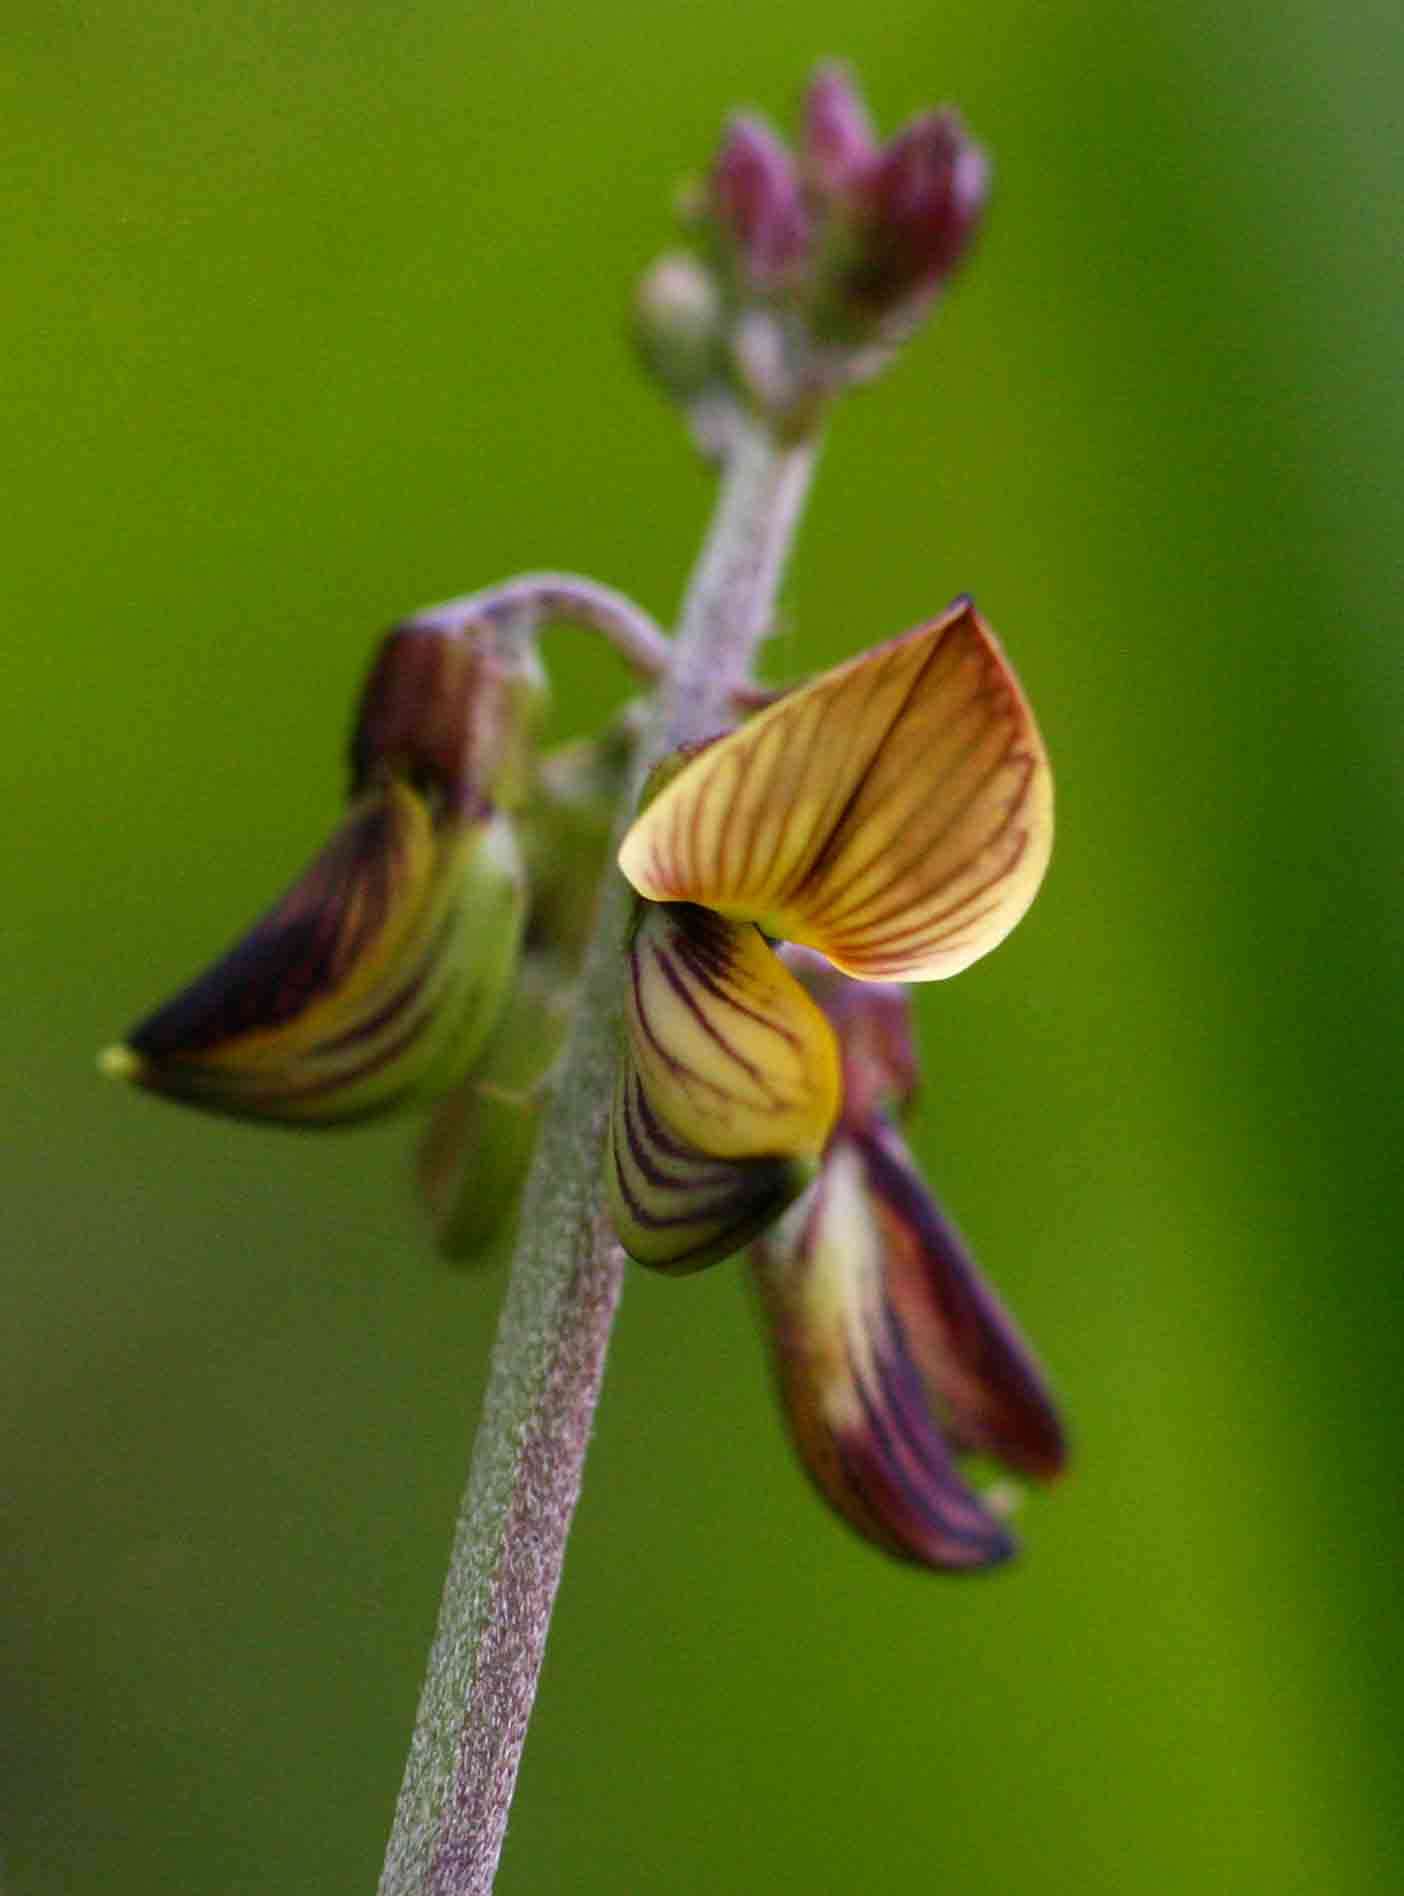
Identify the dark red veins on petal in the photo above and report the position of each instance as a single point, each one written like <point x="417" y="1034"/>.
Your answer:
<point x="300" y="951"/>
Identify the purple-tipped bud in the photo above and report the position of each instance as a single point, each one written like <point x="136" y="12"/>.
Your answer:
<point x="450" y="709"/>
<point x="921" y="204"/>
<point x="837" y="147"/>
<point x="756" y="200"/>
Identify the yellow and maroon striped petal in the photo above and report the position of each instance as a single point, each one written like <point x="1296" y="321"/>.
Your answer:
<point x="374" y="980"/>
<point x="727" y="1092"/>
<point x="894" y="1359"/>
<point x="378" y="976"/>
<point x="734" y="1056"/>
<point x="676" y="1208"/>
<point x="896" y="814"/>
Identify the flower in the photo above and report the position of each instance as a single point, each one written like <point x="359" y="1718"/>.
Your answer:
<point x="378" y="976"/>
<point x="896" y="816"/>
<point x="893" y="1357"/>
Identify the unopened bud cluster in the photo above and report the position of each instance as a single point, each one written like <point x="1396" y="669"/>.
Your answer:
<point x="812" y="264"/>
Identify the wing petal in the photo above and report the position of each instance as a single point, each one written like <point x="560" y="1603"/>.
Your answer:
<point x="734" y="1056"/>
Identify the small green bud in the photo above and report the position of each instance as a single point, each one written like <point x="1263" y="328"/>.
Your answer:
<point x="477" y="1146"/>
<point x="678" y="325"/>
<point x="566" y="828"/>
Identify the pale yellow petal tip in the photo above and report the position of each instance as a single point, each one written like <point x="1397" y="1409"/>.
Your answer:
<point x="120" y="1063"/>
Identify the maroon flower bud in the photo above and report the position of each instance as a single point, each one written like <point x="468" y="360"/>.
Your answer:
<point x="919" y="209"/>
<point x="451" y="709"/>
<point x="821" y="263"/>
<point x="838" y="146"/>
<point x="755" y="199"/>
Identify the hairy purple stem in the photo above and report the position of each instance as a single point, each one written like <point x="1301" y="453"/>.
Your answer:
<point x="548" y="1362"/>
<point x="525" y="602"/>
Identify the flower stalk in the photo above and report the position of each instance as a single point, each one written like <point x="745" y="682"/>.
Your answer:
<point x="549" y="1357"/>
<point x="460" y="947"/>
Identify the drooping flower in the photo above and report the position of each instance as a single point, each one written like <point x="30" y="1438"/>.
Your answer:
<point x="378" y="976"/>
<point x="894" y="1358"/>
<point x="896" y="816"/>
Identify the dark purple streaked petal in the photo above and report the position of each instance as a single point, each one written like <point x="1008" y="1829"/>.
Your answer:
<point x="859" y="1410"/>
<point x="675" y="1208"/>
<point x="374" y="981"/>
<point x="980" y="1374"/>
<point x="735" y="1058"/>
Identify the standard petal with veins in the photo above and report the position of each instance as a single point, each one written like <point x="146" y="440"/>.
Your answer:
<point x="896" y="814"/>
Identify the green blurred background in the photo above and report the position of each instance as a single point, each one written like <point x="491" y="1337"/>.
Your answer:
<point x="314" y="315"/>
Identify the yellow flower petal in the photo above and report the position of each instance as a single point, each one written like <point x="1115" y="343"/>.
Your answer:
<point x="375" y="979"/>
<point x="896" y="814"/>
<point x="727" y="1092"/>
<point x="735" y="1058"/>
<point x="675" y="1208"/>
